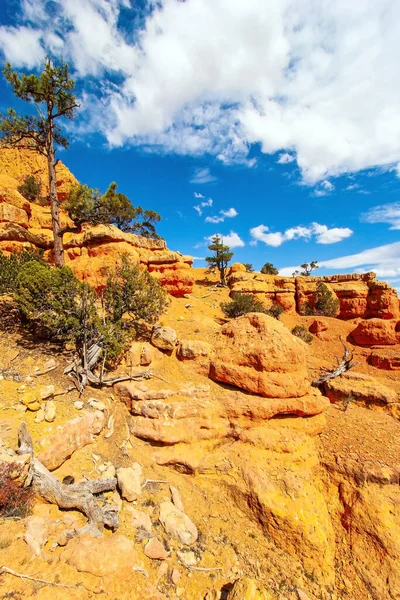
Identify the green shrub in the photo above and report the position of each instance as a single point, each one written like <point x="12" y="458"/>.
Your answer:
<point x="249" y="267"/>
<point x="326" y="303"/>
<point x="301" y="332"/>
<point x="269" y="269"/>
<point x="275" y="311"/>
<point x="241" y="304"/>
<point x="31" y="188"/>
<point x="11" y="265"/>
<point x="132" y="295"/>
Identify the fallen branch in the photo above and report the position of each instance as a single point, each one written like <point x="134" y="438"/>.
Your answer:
<point x="4" y="569"/>
<point x="78" y="496"/>
<point x="343" y="365"/>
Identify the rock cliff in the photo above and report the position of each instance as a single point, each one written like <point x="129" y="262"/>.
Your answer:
<point x="359" y="295"/>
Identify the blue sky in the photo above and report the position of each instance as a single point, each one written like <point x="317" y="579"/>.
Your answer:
<point x="279" y="121"/>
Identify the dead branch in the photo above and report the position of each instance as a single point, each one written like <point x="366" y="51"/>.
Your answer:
<point x="343" y="365"/>
<point x="79" y="496"/>
<point x="4" y="569"/>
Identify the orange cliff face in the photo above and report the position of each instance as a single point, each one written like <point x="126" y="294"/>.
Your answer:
<point x="359" y="295"/>
<point x="88" y="252"/>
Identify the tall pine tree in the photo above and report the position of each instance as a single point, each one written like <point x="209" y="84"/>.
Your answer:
<point x="51" y="93"/>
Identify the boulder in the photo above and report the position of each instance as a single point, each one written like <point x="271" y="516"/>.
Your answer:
<point x="193" y="349"/>
<point x="177" y="524"/>
<point x="141" y="520"/>
<point x="101" y="556"/>
<point x="130" y="481"/>
<point x="377" y="332"/>
<point x="317" y="327"/>
<point x="259" y="354"/>
<point x="363" y="388"/>
<point x="385" y="359"/>
<point x="164" y="338"/>
<point x="70" y="437"/>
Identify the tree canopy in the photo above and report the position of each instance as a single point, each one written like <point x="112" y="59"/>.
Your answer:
<point x="51" y="93"/>
<point x="221" y="257"/>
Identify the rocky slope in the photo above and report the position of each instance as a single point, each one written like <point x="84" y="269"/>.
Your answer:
<point x="249" y="484"/>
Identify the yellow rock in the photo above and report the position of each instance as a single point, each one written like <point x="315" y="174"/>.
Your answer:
<point x="248" y="589"/>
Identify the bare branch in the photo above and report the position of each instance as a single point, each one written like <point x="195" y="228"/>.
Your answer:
<point x="344" y="365"/>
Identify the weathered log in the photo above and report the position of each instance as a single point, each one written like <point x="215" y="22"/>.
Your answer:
<point x="343" y="365"/>
<point x="80" y="496"/>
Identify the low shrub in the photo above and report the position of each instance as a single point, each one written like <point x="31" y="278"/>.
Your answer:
<point x="301" y="332"/>
<point x="15" y="500"/>
<point x="11" y="265"/>
<point x="31" y="188"/>
<point x="241" y="304"/>
<point x="326" y="303"/>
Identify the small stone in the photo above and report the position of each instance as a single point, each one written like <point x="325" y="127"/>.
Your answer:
<point x="31" y="400"/>
<point x="50" y="411"/>
<point x="187" y="557"/>
<point x="176" y="498"/>
<point x="109" y="472"/>
<point x="78" y="404"/>
<point x="47" y="392"/>
<point x="28" y="379"/>
<point x="49" y="365"/>
<point x="177" y="524"/>
<point x="1" y="377"/>
<point x="155" y="549"/>
<point x="302" y="595"/>
<point x="162" y="569"/>
<point x="96" y="404"/>
<point x="141" y="520"/>
<point x="36" y="534"/>
<point x="180" y="591"/>
<point x="130" y="482"/>
<point x="145" y="355"/>
<point x="164" y="338"/>
<point x="39" y="417"/>
<point x="175" y="576"/>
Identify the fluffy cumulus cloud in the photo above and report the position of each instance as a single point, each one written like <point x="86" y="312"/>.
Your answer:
<point x="321" y="233"/>
<point x="286" y="158"/>
<point x="384" y="260"/>
<point x="232" y="239"/>
<point x="315" y="80"/>
<point x="386" y="213"/>
<point x="223" y="214"/>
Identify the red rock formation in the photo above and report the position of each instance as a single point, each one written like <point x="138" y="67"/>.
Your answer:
<point x="88" y="252"/>
<point x="359" y="295"/>
<point x="377" y="332"/>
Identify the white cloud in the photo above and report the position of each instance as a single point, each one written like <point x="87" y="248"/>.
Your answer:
<point x="205" y="204"/>
<point x="21" y="46"/>
<point x="315" y="78"/>
<point x="223" y="214"/>
<point x="321" y="233"/>
<point x="383" y="260"/>
<point x="198" y="195"/>
<point x="386" y="213"/>
<point x="202" y="176"/>
<point x="286" y="158"/>
<point x="232" y="239"/>
<point x="324" y="188"/>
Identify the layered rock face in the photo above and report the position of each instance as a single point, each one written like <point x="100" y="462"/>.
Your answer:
<point x="359" y="295"/>
<point x="88" y="252"/>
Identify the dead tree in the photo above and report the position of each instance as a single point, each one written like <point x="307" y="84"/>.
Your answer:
<point x="343" y="365"/>
<point x="79" y="496"/>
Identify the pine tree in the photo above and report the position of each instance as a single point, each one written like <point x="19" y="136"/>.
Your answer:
<point x="269" y="269"/>
<point x="221" y="257"/>
<point x="51" y="94"/>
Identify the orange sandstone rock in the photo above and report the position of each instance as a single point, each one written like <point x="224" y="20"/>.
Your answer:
<point x="259" y="354"/>
<point x="377" y="332"/>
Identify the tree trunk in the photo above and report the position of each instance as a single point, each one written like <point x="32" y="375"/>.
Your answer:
<point x="55" y="210"/>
